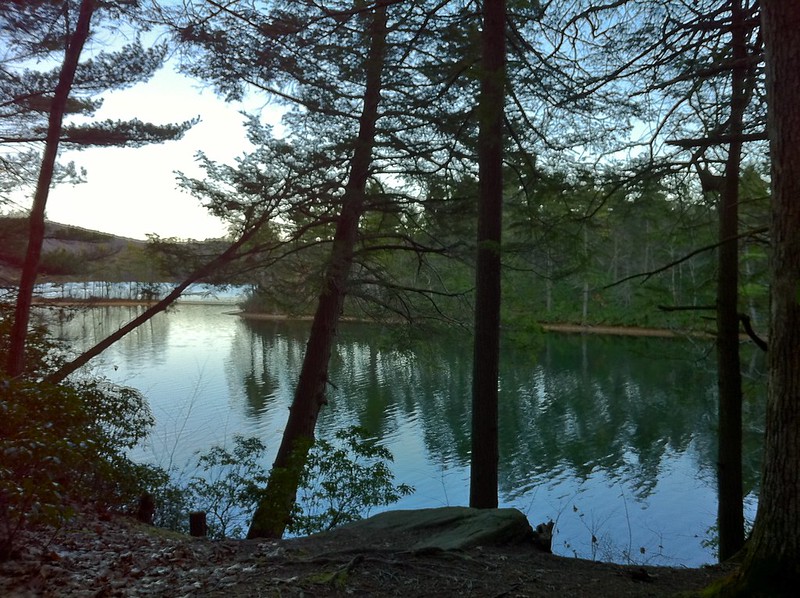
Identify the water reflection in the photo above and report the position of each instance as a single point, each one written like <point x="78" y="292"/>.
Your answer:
<point x="612" y="437"/>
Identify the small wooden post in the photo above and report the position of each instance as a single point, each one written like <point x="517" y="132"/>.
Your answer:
<point x="197" y="524"/>
<point x="146" y="508"/>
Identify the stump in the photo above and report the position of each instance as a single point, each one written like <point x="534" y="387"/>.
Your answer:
<point x="197" y="524"/>
<point x="146" y="508"/>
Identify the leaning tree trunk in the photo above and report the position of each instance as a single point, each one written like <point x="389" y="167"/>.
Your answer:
<point x="227" y="256"/>
<point x="730" y="516"/>
<point x="30" y="268"/>
<point x="772" y="564"/>
<point x="486" y="354"/>
<point x="275" y="508"/>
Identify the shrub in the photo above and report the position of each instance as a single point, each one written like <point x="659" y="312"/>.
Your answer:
<point x="343" y="480"/>
<point x="172" y="501"/>
<point x="232" y="484"/>
<point x="61" y="446"/>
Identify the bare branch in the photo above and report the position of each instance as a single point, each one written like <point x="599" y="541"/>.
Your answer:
<point x="688" y="256"/>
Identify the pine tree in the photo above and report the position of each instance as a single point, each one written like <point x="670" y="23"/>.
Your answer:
<point x="772" y="562"/>
<point x="34" y="104"/>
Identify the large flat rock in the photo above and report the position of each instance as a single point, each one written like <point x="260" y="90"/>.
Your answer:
<point x="445" y="528"/>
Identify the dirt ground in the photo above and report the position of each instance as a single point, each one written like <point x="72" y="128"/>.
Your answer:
<point x="118" y="556"/>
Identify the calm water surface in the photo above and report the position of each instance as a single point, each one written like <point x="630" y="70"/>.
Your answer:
<point x="612" y="438"/>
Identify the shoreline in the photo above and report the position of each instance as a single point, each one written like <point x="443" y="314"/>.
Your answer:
<point x="621" y="330"/>
<point x="97" y="302"/>
<point x="564" y="328"/>
<point x="558" y="327"/>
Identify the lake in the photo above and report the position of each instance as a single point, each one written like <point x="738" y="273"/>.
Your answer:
<point x="613" y="438"/>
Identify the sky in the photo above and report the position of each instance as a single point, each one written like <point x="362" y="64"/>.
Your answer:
<point x="132" y="192"/>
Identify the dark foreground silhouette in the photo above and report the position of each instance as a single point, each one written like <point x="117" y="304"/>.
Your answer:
<point x="118" y="556"/>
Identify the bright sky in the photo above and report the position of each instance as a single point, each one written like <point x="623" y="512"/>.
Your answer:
<point x="133" y="192"/>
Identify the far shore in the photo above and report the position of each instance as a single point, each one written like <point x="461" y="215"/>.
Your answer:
<point x="546" y="326"/>
<point x="103" y="302"/>
<point x="622" y="330"/>
<point x="560" y="327"/>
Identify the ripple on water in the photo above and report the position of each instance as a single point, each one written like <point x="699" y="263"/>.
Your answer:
<point x="593" y="436"/>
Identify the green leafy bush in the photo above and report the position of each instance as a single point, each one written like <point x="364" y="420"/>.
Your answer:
<point x="62" y="446"/>
<point x="232" y="484"/>
<point x="34" y="453"/>
<point x="343" y="480"/>
<point x="172" y="500"/>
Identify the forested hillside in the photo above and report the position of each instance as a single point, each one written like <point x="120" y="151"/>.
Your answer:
<point x="625" y="258"/>
<point x="70" y="251"/>
<point x="74" y="254"/>
<point x="575" y="250"/>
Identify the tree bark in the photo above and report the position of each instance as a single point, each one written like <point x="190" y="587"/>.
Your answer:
<point x="772" y="563"/>
<point x="730" y="516"/>
<point x="486" y="353"/>
<point x="274" y="510"/>
<point x="30" y="269"/>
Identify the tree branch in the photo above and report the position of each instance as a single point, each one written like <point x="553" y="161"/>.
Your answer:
<point x="688" y="256"/>
<point x="718" y="140"/>
<point x="748" y="328"/>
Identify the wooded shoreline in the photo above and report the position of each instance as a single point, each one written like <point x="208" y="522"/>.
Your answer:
<point x="561" y="327"/>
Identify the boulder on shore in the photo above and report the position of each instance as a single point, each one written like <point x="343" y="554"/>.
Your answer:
<point x="445" y="528"/>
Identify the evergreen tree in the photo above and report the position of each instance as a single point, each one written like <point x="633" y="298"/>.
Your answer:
<point x="45" y="30"/>
<point x="277" y="503"/>
<point x="486" y="354"/>
<point x="772" y="565"/>
<point x="699" y="67"/>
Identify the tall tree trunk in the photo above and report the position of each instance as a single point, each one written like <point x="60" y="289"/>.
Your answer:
<point x="486" y="354"/>
<point x="772" y="564"/>
<point x="585" y="288"/>
<point x="19" y="331"/>
<point x="274" y="510"/>
<point x="730" y="516"/>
